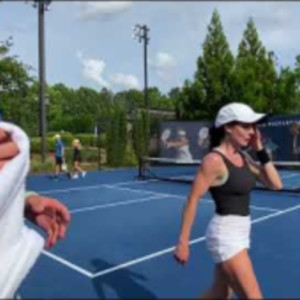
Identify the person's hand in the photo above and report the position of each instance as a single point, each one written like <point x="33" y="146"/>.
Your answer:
<point x="8" y="148"/>
<point x="256" y="140"/>
<point x="50" y="215"/>
<point x="182" y="253"/>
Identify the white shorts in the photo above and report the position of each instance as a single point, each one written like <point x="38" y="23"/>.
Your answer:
<point x="227" y="235"/>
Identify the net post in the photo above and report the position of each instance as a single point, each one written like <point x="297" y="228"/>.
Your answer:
<point x="141" y="169"/>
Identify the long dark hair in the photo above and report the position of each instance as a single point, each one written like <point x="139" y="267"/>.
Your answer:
<point x="216" y="135"/>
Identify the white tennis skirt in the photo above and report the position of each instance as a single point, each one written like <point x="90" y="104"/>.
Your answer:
<point x="227" y="235"/>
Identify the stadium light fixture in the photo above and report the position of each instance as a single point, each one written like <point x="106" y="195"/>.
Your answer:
<point x="42" y="6"/>
<point x="141" y="33"/>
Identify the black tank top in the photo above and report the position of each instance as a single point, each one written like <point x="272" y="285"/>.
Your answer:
<point x="77" y="155"/>
<point x="233" y="197"/>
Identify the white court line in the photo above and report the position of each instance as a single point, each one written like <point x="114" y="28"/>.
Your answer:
<point x="158" y="195"/>
<point x="154" y="197"/>
<point x="112" y="186"/>
<point x="96" y="207"/>
<point x="211" y="201"/>
<point x="264" y="208"/>
<point x="184" y="197"/>
<point x="147" y="257"/>
<point x="142" y="191"/>
<point x="144" y="258"/>
<point x="68" y="264"/>
<point x="281" y="212"/>
<point x="90" y="187"/>
<point x="116" y="186"/>
<point x="171" y="249"/>
<point x="289" y="176"/>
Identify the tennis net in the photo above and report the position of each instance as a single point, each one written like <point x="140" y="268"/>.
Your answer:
<point x="168" y="169"/>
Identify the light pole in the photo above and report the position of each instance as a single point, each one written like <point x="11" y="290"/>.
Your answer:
<point x="140" y="32"/>
<point x="42" y="6"/>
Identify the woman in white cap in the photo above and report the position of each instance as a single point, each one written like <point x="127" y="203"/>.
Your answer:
<point x="230" y="175"/>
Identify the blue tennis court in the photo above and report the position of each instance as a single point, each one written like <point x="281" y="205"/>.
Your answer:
<point x="123" y="233"/>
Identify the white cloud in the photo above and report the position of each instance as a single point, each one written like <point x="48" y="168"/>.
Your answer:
<point x="273" y="21"/>
<point x="94" y="10"/>
<point x="279" y="17"/>
<point x="164" y="64"/>
<point x="93" y="69"/>
<point x="125" y="81"/>
<point x="277" y="31"/>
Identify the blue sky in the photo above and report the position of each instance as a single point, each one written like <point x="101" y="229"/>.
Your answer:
<point x="90" y="43"/>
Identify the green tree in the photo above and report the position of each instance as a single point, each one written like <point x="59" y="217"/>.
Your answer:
<point x="62" y="107"/>
<point x="287" y="92"/>
<point x="117" y="137"/>
<point x="255" y="74"/>
<point x="296" y="108"/>
<point x="213" y="77"/>
<point x="286" y="100"/>
<point x="122" y="135"/>
<point x="174" y="95"/>
<point x="17" y="103"/>
<point x="131" y="100"/>
<point x="14" y="74"/>
<point x="141" y="133"/>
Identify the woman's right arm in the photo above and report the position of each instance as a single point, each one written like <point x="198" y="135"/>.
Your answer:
<point x="207" y="174"/>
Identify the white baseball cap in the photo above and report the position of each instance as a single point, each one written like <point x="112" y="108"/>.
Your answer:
<point x="239" y="112"/>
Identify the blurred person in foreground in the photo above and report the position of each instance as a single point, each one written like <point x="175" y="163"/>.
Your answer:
<point x="20" y="246"/>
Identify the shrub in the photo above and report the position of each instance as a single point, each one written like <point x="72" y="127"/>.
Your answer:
<point x="38" y="167"/>
<point x="87" y="139"/>
<point x="35" y="145"/>
<point x="130" y="156"/>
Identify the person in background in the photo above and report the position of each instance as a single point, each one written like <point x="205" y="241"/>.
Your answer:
<point x="59" y="157"/>
<point x="77" y="159"/>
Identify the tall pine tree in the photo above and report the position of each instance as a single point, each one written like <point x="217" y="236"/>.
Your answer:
<point x="255" y="74"/>
<point x="213" y="78"/>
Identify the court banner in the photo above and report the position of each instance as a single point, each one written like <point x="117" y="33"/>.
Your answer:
<point x="184" y="141"/>
<point x="281" y="138"/>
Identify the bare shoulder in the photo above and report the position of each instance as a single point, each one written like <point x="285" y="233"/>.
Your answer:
<point x="212" y="158"/>
<point x="212" y="161"/>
